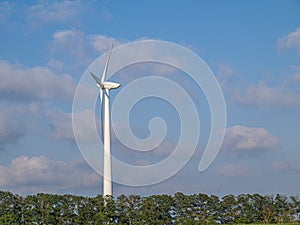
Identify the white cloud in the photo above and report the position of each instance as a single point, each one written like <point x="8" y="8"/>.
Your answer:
<point x="34" y="83"/>
<point x="291" y="40"/>
<point x="5" y="6"/>
<point x="78" y="44"/>
<point x="103" y="43"/>
<point x="5" y="10"/>
<point x="16" y="121"/>
<point x="10" y="131"/>
<point x="224" y="70"/>
<point x="225" y="73"/>
<point x="234" y="170"/>
<point x="243" y="139"/>
<point x="262" y="95"/>
<point x="56" y="65"/>
<point x="72" y="42"/>
<point x="54" y="11"/>
<point x="62" y="124"/>
<point x="21" y="90"/>
<point x="76" y="50"/>
<point x="166" y="148"/>
<point x="285" y="166"/>
<point x="296" y="75"/>
<point x="73" y="45"/>
<point x="40" y="174"/>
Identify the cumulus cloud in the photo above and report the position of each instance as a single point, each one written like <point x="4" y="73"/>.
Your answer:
<point x="74" y="45"/>
<point x="296" y="75"/>
<point x="291" y="40"/>
<point x="5" y="10"/>
<point x="224" y="73"/>
<point x="263" y="95"/>
<point x="75" y="50"/>
<point x="10" y="131"/>
<point x="21" y="92"/>
<point x="56" y="65"/>
<point x="54" y="11"/>
<point x="33" y="83"/>
<point x="73" y="41"/>
<point x="41" y="174"/>
<point x="62" y="124"/>
<point x="78" y="44"/>
<point x="16" y="121"/>
<point x="103" y="43"/>
<point x="234" y="170"/>
<point x="224" y="70"/>
<point x="249" y="140"/>
<point x="285" y="166"/>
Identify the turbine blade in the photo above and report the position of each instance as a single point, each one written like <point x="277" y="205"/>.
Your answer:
<point x="97" y="79"/>
<point x="106" y="65"/>
<point x="106" y="92"/>
<point x="101" y="97"/>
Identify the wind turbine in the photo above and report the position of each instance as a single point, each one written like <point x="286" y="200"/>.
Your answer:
<point x="104" y="87"/>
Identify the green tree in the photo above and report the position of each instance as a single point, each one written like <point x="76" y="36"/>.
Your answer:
<point x="246" y="213"/>
<point x="228" y="209"/>
<point x="110" y="210"/>
<point x="85" y="210"/>
<point x="10" y="208"/>
<point x="157" y="209"/>
<point x="31" y="213"/>
<point x="100" y="216"/>
<point x="129" y="209"/>
<point x="49" y="208"/>
<point x="135" y="205"/>
<point x="148" y="211"/>
<point x="164" y="205"/>
<point x="183" y="208"/>
<point x="283" y="209"/>
<point x="295" y="208"/>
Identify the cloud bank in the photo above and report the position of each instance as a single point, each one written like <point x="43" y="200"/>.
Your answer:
<point x="54" y="11"/>
<point x="290" y="41"/>
<point x="19" y="83"/>
<point x="41" y="174"/>
<point x="265" y="96"/>
<point x="16" y="121"/>
<point x="242" y="139"/>
<point x="234" y="170"/>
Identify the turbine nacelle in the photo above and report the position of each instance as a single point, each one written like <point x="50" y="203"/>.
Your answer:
<point x="110" y="85"/>
<point x="106" y="84"/>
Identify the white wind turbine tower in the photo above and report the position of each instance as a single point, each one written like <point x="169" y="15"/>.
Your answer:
<point x="104" y="87"/>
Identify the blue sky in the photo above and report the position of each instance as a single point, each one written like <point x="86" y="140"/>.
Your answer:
<point x="253" y="48"/>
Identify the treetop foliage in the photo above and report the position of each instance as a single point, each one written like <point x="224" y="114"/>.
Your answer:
<point x="155" y="209"/>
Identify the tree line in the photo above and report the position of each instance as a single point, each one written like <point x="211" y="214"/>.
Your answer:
<point x="156" y="209"/>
